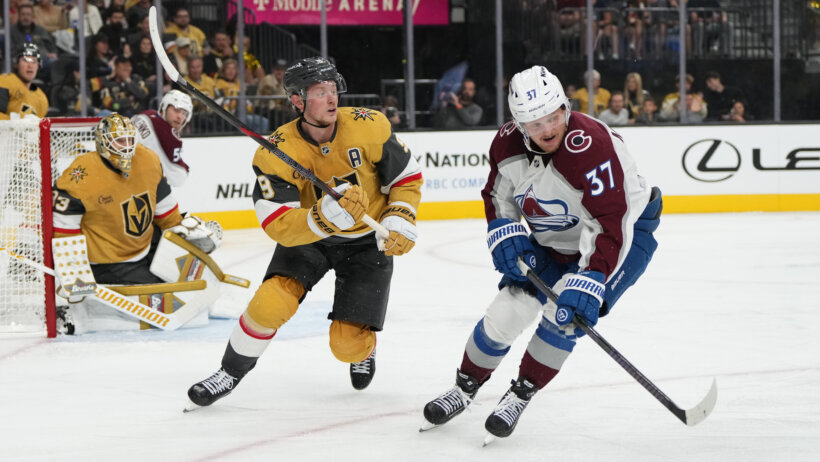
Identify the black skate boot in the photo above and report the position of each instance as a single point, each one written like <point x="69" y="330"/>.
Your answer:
<point x="504" y="418"/>
<point x="451" y="403"/>
<point x="206" y="392"/>
<point x="65" y="321"/>
<point x="361" y="373"/>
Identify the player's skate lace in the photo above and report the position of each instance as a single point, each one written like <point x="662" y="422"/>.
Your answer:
<point x="510" y="408"/>
<point x="505" y="416"/>
<point x="362" y="372"/>
<point x="453" y="401"/>
<point x="218" y="382"/>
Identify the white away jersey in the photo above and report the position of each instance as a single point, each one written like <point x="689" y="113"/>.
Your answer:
<point x="156" y="134"/>
<point x="582" y="200"/>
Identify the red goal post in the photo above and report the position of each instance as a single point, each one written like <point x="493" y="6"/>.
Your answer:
<point x="33" y="153"/>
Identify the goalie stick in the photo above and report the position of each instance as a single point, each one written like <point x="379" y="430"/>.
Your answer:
<point x="115" y="300"/>
<point x="690" y="417"/>
<point x="174" y="74"/>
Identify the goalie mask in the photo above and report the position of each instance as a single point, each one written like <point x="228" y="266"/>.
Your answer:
<point x="180" y="101"/>
<point x="116" y="140"/>
<point x="535" y="93"/>
<point x="310" y="71"/>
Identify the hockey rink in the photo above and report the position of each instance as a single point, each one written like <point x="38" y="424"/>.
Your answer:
<point x="734" y="297"/>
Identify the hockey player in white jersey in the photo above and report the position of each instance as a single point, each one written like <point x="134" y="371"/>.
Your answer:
<point x="588" y="234"/>
<point x="161" y="132"/>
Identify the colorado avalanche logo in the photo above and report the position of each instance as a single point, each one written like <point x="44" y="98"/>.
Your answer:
<point x="362" y="113"/>
<point x="576" y="141"/>
<point x="545" y="215"/>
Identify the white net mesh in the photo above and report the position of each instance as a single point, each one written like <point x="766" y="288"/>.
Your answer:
<point x="22" y="288"/>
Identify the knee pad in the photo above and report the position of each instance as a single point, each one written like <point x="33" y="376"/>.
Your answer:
<point x="351" y="342"/>
<point x="276" y="300"/>
<point x="509" y="314"/>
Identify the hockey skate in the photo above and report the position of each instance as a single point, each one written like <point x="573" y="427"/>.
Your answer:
<point x="65" y="321"/>
<point x="215" y="387"/>
<point x="504" y="418"/>
<point x="451" y="403"/>
<point x="361" y="373"/>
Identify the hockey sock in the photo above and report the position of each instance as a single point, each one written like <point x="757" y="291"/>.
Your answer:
<point x="537" y="373"/>
<point x="479" y="373"/>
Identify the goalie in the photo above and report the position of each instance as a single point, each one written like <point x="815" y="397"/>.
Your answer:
<point x="114" y="196"/>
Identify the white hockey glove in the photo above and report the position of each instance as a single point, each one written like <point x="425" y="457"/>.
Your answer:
<point x="206" y="236"/>
<point x="332" y="216"/>
<point x="400" y="219"/>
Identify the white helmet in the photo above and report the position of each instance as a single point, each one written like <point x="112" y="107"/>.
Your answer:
<point x="535" y="93"/>
<point x="179" y="100"/>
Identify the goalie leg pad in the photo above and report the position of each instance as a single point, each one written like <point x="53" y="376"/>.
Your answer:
<point x="351" y="342"/>
<point x="276" y="300"/>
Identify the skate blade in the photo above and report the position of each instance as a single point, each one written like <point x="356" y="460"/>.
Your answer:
<point x="488" y="439"/>
<point x="191" y="407"/>
<point x="426" y="425"/>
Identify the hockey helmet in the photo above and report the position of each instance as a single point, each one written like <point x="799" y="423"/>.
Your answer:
<point x="28" y="49"/>
<point x="116" y="139"/>
<point x="535" y="93"/>
<point x="179" y="100"/>
<point x="310" y="71"/>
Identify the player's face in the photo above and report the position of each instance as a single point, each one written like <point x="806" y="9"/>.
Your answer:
<point x="548" y="131"/>
<point x="175" y="117"/>
<point x="27" y="68"/>
<point x="321" y="103"/>
<point x="123" y="143"/>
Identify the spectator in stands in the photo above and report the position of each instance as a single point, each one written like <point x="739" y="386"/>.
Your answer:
<point x="664" y="27"/>
<point x="738" y="112"/>
<point x="98" y="62"/>
<point x="227" y="85"/>
<point x="459" y="111"/>
<point x="634" y="93"/>
<point x="181" y="53"/>
<point x="569" y="91"/>
<point x="14" y="8"/>
<point x="570" y="27"/>
<point x="390" y="108"/>
<point x="600" y="95"/>
<point x="139" y="30"/>
<point x="66" y="95"/>
<point x="253" y="68"/>
<point x="199" y="80"/>
<point x="616" y="114"/>
<point x="49" y="16"/>
<point x="710" y="28"/>
<point x="220" y="51"/>
<point x="648" y="114"/>
<point x="125" y="92"/>
<point x="26" y="30"/>
<point x="114" y="5"/>
<point x="19" y="95"/>
<point x="138" y="11"/>
<point x="277" y="110"/>
<point x="635" y="22"/>
<point x="720" y="98"/>
<point x="182" y="27"/>
<point x="696" y="108"/>
<point x="93" y="19"/>
<point x="607" y="26"/>
<point x="117" y="31"/>
<point x="144" y="61"/>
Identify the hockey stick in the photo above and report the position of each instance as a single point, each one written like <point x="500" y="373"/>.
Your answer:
<point x="692" y="416"/>
<point x="174" y="74"/>
<point x="115" y="300"/>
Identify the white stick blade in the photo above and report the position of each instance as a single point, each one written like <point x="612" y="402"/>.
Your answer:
<point x="700" y="412"/>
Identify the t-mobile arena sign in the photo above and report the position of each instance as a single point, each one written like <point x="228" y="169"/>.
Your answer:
<point x="348" y="12"/>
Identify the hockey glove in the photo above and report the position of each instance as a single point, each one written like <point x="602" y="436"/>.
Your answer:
<point x="332" y="216"/>
<point x="205" y="235"/>
<point x="583" y="294"/>
<point x="400" y="220"/>
<point x="508" y="242"/>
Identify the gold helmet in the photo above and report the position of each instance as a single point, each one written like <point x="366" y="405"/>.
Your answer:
<point x="116" y="140"/>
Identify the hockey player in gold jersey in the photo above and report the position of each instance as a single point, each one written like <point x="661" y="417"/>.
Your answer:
<point x="114" y="196"/>
<point x="355" y="151"/>
<point x="18" y="94"/>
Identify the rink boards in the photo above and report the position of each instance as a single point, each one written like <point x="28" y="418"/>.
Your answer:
<point x="710" y="168"/>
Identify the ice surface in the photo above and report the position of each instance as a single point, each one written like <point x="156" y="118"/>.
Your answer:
<point x="731" y="296"/>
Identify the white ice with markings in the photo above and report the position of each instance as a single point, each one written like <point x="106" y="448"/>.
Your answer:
<point x="730" y="296"/>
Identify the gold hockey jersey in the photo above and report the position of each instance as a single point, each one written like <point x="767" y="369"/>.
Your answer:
<point x="116" y="214"/>
<point x="16" y="97"/>
<point x="363" y="150"/>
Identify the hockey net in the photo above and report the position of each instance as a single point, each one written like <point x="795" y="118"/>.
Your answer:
<point x="33" y="153"/>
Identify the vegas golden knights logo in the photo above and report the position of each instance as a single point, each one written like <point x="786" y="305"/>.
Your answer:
<point x="137" y="214"/>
